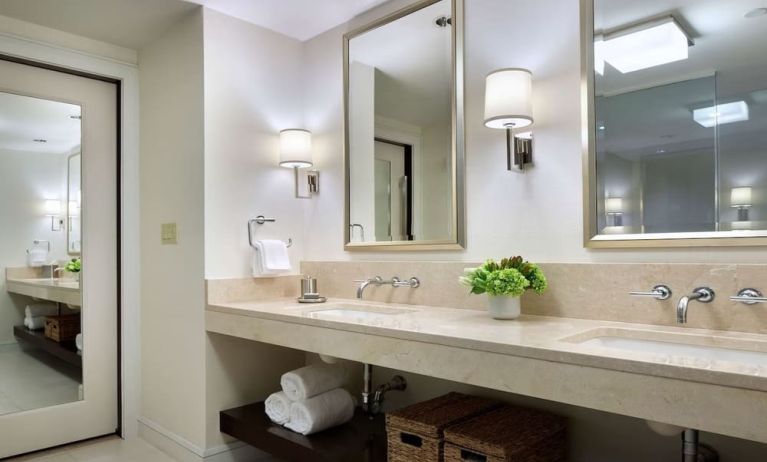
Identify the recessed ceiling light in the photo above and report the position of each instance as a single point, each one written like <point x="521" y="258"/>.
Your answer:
<point x="721" y="114"/>
<point x="755" y="13"/>
<point x="646" y="45"/>
<point x="40" y="140"/>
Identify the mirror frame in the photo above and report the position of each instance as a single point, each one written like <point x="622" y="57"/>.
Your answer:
<point x="69" y="201"/>
<point x="458" y="240"/>
<point x="591" y="236"/>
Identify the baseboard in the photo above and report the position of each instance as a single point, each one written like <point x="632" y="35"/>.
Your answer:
<point x="184" y="450"/>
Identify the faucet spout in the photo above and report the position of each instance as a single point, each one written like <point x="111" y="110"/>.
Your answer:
<point x="378" y="280"/>
<point x="701" y="294"/>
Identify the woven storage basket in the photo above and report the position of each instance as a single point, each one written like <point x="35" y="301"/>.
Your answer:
<point x="507" y="434"/>
<point x="62" y="328"/>
<point x="415" y="433"/>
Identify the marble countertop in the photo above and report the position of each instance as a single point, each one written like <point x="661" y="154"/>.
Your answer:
<point x="545" y="338"/>
<point x="63" y="284"/>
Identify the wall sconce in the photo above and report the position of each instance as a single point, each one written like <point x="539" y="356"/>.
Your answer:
<point x="740" y="198"/>
<point x="53" y="210"/>
<point x="509" y="105"/>
<point x="296" y="153"/>
<point x="614" y="209"/>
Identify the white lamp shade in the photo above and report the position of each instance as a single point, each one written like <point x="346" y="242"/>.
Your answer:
<point x="614" y="205"/>
<point x="508" y="98"/>
<point x="52" y="207"/>
<point x="740" y="197"/>
<point x="295" y="148"/>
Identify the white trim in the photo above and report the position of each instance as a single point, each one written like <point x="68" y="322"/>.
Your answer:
<point x="130" y="298"/>
<point x="184" y="450"/>
<point x="178" y="439"/>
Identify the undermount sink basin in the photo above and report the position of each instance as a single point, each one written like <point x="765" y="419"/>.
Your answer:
<point x="695" y="347"/>
<point x="357" y="312"/>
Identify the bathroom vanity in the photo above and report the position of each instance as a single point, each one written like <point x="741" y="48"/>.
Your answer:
<point x="29" y="283"/>
<point x="710" y="380"/>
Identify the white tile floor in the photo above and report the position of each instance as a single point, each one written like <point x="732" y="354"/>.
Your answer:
<point x="109" y="449"/>
<point x="31" y="379"/>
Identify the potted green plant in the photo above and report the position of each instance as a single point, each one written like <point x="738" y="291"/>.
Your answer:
<point x="74" y="266"/>
<point x="504" y="282"/>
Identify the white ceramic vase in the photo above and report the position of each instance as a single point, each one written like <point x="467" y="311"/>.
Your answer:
<point x="504" y="306"/>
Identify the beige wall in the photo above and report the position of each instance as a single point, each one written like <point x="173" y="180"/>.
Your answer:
<point x="172" y="276"/>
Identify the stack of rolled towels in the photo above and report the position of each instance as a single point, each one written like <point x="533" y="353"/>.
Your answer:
<point x="311" y="399"/>
<point x="34" y="315"/>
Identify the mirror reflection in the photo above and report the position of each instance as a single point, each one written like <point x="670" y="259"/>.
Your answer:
<point x="40" y="334"/>
<point x="400" y="129"/>
<point x="681" y="116"/>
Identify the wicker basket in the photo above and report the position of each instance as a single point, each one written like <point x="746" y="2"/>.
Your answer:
<point x="62" y="328"/>
<point x="415" y="433"/>
<point x="507" y="434"/>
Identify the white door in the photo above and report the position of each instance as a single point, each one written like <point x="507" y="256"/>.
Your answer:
<point x="58" y="200"/>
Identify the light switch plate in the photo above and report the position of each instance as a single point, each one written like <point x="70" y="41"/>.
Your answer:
<point x="168" y="234"/>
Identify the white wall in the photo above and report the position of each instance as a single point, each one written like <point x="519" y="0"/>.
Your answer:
<point x="252" y="91"/>
<point x="27" y="179"/>
<point x="172" y="276"/>
<point x="538" y="214"/>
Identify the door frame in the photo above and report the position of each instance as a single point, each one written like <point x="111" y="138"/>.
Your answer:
<point x="125" y="75"/>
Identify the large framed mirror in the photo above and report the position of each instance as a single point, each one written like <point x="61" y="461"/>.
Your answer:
<point x="675" y="123"/>
<point x="404" y="134"/>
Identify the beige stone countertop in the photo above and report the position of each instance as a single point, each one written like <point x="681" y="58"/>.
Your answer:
<point x="545" y="338"/>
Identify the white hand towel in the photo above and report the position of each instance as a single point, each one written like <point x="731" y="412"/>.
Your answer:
<point x="309" y="381"/>
<point x="35" y="323"/>
<point x="278" y="408"/>
<point x="321" y="412"/>
<point x="274" y="255"/>
<point x="40" y="309"/>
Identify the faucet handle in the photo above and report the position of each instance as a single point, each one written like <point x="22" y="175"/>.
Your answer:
<point x="659" y="292"/>
<point x="749" y="297"/>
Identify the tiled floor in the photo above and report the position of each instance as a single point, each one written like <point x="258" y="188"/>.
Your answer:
<point x="109" y="449"/>
<point x="31" y="379"/>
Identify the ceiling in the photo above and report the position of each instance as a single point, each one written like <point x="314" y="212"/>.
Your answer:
<point x="300" y="19"/>
<point x="24" y="119"/>
<point x="649" y="112"/>
<point x="135" y="23"/>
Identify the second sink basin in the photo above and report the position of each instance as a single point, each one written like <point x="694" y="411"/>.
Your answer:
<point x="696" y="347"/>
<point x="357" y="312"/>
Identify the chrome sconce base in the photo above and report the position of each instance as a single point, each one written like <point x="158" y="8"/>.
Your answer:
<point x="307" y="183"/>
<point x="519" y="150"/>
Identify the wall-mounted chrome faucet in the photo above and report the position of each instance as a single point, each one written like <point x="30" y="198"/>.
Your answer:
<point x="701" y="294"/>
<point x="413" y="283"/>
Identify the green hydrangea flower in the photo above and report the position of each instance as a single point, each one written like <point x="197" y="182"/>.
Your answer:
<point x="510" y="276"/>
<point x="506" y="282"/>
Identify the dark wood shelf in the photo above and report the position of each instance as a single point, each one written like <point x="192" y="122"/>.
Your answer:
<point x="361" y="440"/>
<point x="66" y="351"/>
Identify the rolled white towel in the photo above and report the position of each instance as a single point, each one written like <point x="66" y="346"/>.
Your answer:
<point x="277" y="407"/>
<point x="321" y="412"/>
<point x="40" y="309"/>
<point x="35" y="323"/>
<point x="309" y="381"/>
